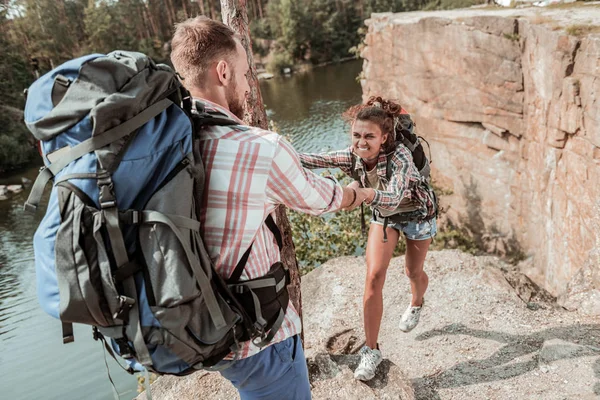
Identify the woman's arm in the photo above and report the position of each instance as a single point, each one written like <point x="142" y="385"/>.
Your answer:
<point x="405" y="177"/>
<point x="336" y="159"/>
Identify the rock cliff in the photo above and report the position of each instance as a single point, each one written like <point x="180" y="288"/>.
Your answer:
<point x="510" y="102"/>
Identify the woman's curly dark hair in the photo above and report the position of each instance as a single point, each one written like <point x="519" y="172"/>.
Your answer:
<point x="379" y="111"/>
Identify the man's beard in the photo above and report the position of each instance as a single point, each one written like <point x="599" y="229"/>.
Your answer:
<point x="235" y="103"/>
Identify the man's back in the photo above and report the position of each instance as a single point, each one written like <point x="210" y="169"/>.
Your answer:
<point x="249" y="172"/>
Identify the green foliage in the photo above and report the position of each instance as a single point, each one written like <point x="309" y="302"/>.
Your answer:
<point x="279" y="61"/>
<point x="318" y="239"/>
<point x="451" y="237"/>
<point x="16" y="143"/>
<point x="260" y="29"/>
<point x="14" y="71"/>
<point x="321" y="238"/>
<point x="512" y="36"/>
<point x="325" y="30"/>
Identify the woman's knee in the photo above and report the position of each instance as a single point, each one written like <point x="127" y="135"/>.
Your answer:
<point x="415" y="273"/>
<point x="376" y="279"/>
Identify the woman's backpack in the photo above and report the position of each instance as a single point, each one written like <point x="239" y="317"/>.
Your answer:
<point x="405" y="134"/>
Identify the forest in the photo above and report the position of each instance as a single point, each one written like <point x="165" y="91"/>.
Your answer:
<point x="38" y="35"/>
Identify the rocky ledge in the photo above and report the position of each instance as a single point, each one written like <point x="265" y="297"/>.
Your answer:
<point x="485" y="333"/>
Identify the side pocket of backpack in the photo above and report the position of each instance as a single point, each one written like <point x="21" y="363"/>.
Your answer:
<point x="86" y="289"/>
<point x="173" y="254"/>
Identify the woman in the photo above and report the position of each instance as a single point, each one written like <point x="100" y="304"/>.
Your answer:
<point x="405" y="197"/>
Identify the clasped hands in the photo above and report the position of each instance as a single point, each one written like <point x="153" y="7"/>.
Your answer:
<point x="359" y="195"/>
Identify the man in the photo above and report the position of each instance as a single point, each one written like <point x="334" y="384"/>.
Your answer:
<point x="249" y="173"/>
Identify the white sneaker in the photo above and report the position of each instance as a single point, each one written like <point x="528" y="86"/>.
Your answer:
<point x="410" y="318"/>
<point x="369" y="360"/>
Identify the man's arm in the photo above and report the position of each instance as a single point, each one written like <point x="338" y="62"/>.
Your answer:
<point x="303" y="190"/>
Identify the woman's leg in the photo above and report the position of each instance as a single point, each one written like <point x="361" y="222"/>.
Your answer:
<point x="416" y="250"/>
<point x="379" y="255"/>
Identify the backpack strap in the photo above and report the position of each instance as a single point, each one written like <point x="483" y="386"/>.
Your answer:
<point x="209" y="117"/>
<point x="388" y="166"/>
<point x="67" y="331"/>
<point x="272" y="332"/>
<point x="363" y="224"/>
<point x="128" y="308"/>
<point x="353" y="171"/>
<point x="89" y="145"/>
<point x="239" y="268"/>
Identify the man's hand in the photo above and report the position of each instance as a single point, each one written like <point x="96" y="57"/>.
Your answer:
<point x="351" y="201"/>
<point x="354" y="185"/>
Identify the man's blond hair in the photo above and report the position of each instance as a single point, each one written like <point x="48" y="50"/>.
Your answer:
<point x="198" y="43"/>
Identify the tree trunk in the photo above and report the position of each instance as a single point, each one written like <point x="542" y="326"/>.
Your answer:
<point x="212" y="9"/>
<point x="185" y="9"/>
<point x="150" y="17"/>
<point x="235" y="15"/>
<point x="260" y="10"/>
<point x="170" y="16"/>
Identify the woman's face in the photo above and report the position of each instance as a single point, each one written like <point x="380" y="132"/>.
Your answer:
<point x="367" y="139"/>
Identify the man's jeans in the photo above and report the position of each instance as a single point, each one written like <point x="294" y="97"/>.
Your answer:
<point x="278" y="372"/>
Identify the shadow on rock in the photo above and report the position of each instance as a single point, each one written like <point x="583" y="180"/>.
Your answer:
<point x="333" y="372"/>
<point x="545" y="346"/>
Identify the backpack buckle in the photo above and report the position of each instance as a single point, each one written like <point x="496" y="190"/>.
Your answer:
<point x="125" y="304"/>
<point x="107" y="198"/>
<point x="125" y="349"/>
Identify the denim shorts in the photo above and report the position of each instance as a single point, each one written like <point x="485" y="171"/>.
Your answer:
<point x="414" y="230"/>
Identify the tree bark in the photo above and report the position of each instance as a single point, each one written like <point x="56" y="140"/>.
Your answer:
<point x="150" y="17"/>
<point x="212" y="9"/>
<point x="185" y="9"/>
<point x="260" y="10"/>
<point x="235" y="15"/>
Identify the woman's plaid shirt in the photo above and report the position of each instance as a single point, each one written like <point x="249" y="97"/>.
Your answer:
<point x="249" y="173"/>
<point x="405" y="184"/>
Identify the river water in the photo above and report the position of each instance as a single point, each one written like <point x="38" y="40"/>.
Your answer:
<point x="34" y="364"/>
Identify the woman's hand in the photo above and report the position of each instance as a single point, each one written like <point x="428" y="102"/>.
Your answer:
<point x="359" y="195"/>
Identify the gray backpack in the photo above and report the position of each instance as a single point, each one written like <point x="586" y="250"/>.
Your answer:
<point x="119" y="247"/>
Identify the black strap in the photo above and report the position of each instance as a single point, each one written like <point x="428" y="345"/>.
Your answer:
<point x="67" y="331"/>
<point x="355" y="175"/>
<point x="203" y="117"/>
<point x="363" y="224"/>
<point x="107" y="348"/>
<point x="239" y="268"/>
<point x="388" y="167"/>
<point x="428" y="147"/>
<point x="59" y="89"/>
<point x="127" y="270"/>
<point x="275" y="230"/>
<point x="385" y="225"/>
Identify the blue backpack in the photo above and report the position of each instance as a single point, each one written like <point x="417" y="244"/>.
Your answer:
<point x="119" y="247"/>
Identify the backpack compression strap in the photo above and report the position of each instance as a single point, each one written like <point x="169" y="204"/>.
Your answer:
<point x="258" y="283"/>
<point x="89" y="145"/>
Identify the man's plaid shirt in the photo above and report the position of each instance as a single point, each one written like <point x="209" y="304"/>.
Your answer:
<point x="405" y="186"/>
<point x="248" y="174"/>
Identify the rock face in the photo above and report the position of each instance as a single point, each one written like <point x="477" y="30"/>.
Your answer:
<point x="477" y="339"/>
<point x="510" y="104"/>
